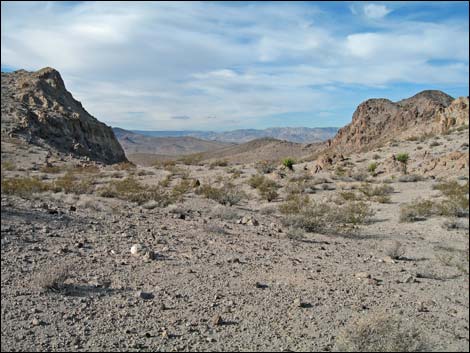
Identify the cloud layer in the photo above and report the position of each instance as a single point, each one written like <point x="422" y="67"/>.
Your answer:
<point x="182" y="64"/>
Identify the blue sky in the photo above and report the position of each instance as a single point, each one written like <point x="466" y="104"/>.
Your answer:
<point x="222" y="66"/>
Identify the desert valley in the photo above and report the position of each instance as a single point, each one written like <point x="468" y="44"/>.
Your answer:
<point x="263" y="245"/>
<point x="241" y="176"/>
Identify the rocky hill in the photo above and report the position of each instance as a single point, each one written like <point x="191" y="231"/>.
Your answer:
<point x="37" y="108"/>
<point x="377" y="121"/>
<point x="172" y="146"/>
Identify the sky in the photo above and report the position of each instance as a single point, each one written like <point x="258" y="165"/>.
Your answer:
<point x="231" y="65"/>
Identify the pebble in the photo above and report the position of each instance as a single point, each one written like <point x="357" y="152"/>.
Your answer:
<point x="145" y="295"/>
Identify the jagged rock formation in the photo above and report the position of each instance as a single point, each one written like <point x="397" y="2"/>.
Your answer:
<point x="37" y="107"/>
<point x="376" y="121"/>
<point x="455" y="115"/>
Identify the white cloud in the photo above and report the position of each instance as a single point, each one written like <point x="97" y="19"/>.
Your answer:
<point x="375" y="11"/>
<point x="238" y="63"/>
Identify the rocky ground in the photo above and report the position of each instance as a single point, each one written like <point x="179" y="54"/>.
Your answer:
<point x="202" y="276"/>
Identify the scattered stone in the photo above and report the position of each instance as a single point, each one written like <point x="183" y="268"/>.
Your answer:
<point x="362" y="275"/>
<point x="217" y="320"/>
<point x="145" y="295"/>
<point x="261" y="285"/>
<point x="137" y="249"/>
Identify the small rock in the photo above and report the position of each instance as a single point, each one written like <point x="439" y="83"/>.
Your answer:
<point x="217" y="320"/>
<point x="136" y="249"/>
<point x="253" y="222"/>
<point x="362" y="275"/>
<point x="261" y="285"/>
<point x="145" y="295"/>
<point x="150" y="255"/>
<point x="36" y="322"/>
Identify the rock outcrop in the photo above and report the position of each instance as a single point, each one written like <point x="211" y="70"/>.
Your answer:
<point x="454" y="116"/>
<point x="376" y="121"/>
<point x="37" y="107"/>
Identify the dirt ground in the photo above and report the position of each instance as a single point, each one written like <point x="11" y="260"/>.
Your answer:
<point x="216" y="284"/>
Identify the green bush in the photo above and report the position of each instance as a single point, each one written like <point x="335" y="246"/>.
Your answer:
<point x="288" y="163"/>
<point x="403" y="158"/>
<point x="372" y="167"/>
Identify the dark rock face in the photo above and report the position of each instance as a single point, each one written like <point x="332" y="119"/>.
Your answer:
<point x="378" y="120"/>
<point x="36" y="106"/>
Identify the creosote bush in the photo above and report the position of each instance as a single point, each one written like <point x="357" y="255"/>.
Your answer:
<point x="323" y="217"/>
<point x="23" y="186"/>
<point x="132" y="190"/>
<point x="267" y="188"/>
<point x="265" y="167"/>
<point x="227" y="195"/>
<point x="53" y="279"/>
<point x="381" y="332"/>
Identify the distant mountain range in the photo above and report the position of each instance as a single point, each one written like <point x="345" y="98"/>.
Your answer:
<point x="292" y="134"/>
<point x="133" y="143"/>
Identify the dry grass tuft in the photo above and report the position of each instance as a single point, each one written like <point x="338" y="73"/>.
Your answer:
<point x="381" y="332"/>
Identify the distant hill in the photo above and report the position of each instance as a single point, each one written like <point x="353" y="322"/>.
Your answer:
<point x="260" y="150"/>
<point x="292" y="134"/>
<point x="135" y="143"/>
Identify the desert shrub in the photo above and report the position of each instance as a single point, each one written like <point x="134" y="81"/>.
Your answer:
<point x="51" y="169"/>
<point x="228" y="194"/>
<point x="85" y="169"/>
<point x="456" y="203"/>
<point x="288" y="163"/>
<point x="165" y="182"/>
<point x="371" y="191"/>
<point x="349" y="196"/>
<point x="53" y="278"/>
<point x="454" y="224"/>
<point x="256" y="181"/>
<point x="359" y="176"/>
<point x="410" y="178"/>
<point x="130" y="189"/>
<point x="327" y="218"/>
<point x="403" y="158"/>
<point x="268" y="191"/>
<point x="8" y="165"/>
<point x="396" y="250"/>
<point x="219" y="163"/>
<point x="353" y="213"/>
<point x="267" y="188"/>
<point x="295" y="203"/>
<point x="182" y="188"/>
<point x="23" y="186"/>
<point x="295" y="234"/>
<point x="381" y="332"/>
<point x="266" y="167"/>
<point x="225" y="213"/>
<point x="73" y="184"/>
<point x="434" y="144"/>
<point x="372" y="167"/>
<point x="124" y="166"/>
<point x="340" y="171"/>
<point x="416" y="210"/>
<point x="192" y="159"/>
<point x="382" y="199"/>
